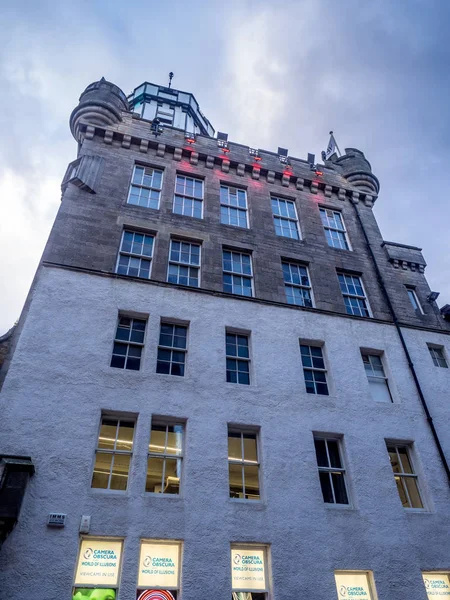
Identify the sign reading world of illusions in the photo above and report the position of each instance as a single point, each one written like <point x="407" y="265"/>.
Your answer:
<point x="99" y="562"/>
<point x="353" y="584"/>
<point x="159" y="565"/>
<point x="437" y="585"/>
<point x="248" y="569"/>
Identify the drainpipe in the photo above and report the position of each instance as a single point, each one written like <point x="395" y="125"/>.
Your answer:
<point x="405" y="347"/>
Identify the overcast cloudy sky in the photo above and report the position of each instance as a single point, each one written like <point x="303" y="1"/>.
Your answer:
<point x="269" y="73"/>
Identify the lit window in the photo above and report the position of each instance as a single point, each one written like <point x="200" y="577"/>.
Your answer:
<point x="233" y="206"/>
<point x="243" y="465"/>
<point x="437" y="585"/>
<point x="172" y="349"/>
<point x="128" y="344"/>
<point x="113" y="454"/>
<point x="165" y="454"/>
<point x="405" y="478"/>
<point x="188" y="199"/>
<point x="437" y="354"/>
<point x="297" y="284"/>
<point x="184" y="263"/>
<point x="238" y="358"/>
<point x="378" y="382"/>
<point x="331" y="471"/>
<point x="285" y="218"/>
<point x="145" y="189"/>
<point x="92" y="573"/>
<point x="159" y="570"/>
<point x="333" y="225"/>
<point x="249" y="576"/>
<point x="314" y="369"/>
<point x="354" y="296"/>
<point x="354" y="584"/>
<point x="237" y="273"/>
<point x="414" y="300"/>
<point x="135" y="254"/>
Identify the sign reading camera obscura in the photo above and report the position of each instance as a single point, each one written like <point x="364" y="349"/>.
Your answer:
<point x="353" y="584"/>
<point x="437" y="585"/>
<point x="98" y="562"/>
<point x="159" y="565"/>
<point x="248" y="569"/>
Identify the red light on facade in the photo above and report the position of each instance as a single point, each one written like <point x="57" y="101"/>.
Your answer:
<point x="226" y="150"/>
<point x="319" y="173"/>
<point x="257" y="158"/>
<point x="190" y="140"/>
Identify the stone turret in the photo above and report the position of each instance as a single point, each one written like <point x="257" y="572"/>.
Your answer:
<point x="358" y="172"/>
<point x="101" y="103"/>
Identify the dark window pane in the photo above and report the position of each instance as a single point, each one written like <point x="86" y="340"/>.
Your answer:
<point x="163" y="367"/>
<point x="325" y="484"/>
<point x="118" y="361"/>
<point x="321" y="453"/>
<point x="339" y="488"/>
<point x="133" y="364"/>
<point x="333" y="451"/>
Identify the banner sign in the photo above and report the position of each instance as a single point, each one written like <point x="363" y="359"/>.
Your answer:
<point x="248" y="569"/>
<point x="99" y="562"/>
<point x="437" y="585"/>
<point x="353" y="584"/>
<point x="159" y="565"/>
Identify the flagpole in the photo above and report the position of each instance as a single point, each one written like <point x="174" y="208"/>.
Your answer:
<point x="338" y="149"/>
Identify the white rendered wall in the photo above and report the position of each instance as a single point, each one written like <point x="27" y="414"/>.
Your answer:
<point x="60" y="381"/>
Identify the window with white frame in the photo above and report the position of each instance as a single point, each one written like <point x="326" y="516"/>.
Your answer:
<point x="331" y="470"/>
<point x="249" y="572"/>
<point x="159" y="570"/>
<point x="237" y="273"/>
<point x="165" y="455"/>
<point x="438" y="357"/>
<point x="314" y="370"/>
<point x="354" y="295"/>
<point x="113" y="454"/>
<point x="233" y="206"/>
<point x="188" y="198"/>
<point x="334" y="228"/>
<point x="135" y="255"/>
<point x="297" y="284"/>
<point x="145" y="188"/>
<point x="355" y="584"/>
<point x="437" y="584"/>
<point x="378" y="382"/>
<point x="184" y="263"/>
<point x="128" y="343"/>
<point x="243" y="464"/>
<point x="414" y="300"/>
<point x="92" y="573"/>
<point x="238" y="358"/>
<point x="405" y="477"/>
<point x="285" y="218"/>
<point x="172" y="349"/>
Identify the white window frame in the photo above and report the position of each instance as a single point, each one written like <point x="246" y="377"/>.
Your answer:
<point x="114" y="452"/>
<point x="348" y="295"/>
<point x="414" y="300"/>
<point x="189" y="265"/>
<point x="146" y="187"/>
<point x="129" y="342"/>
<point x="402" y="475"/>
<point x="172" y="349"/>
<point x="330" y="227"/>
<point x="291" y="284"/>
<point x="234" y="273"/>
<point x="231" y="207"/>
<point x="245" y="463"/>
<point x="433" y="349"/>
<point x="134" y="254"/>
<point x="161" y="422"/>
<point x="237" y="358"/>
<point x="330" y="470"/>
<point x="185" y="196"/>
<point x="314" y="369"/>
<point x="283" y="218"/>
<point x="245" y="590"/>
<point x="374" y="376"/>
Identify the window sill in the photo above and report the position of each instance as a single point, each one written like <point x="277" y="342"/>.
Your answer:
<point x="102" y="492"/>
<point x="171" y="497"/>
<point x="329" y="506"/>
<point x="417" y="511"/>
<point x="243" y="501"/>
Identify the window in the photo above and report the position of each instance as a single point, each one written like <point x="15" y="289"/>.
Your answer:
<point x="243" y="464"/>
<point x="314" y="369"/>
<point x="297" y="284"/>
<point x="188" y="199"/>
<point x="404" y="476"/>
<point x="436" y="584"/>
<point x="414" y="300"/>
<point x="237" y="273"/>
<point x="354" y="296"/>
<point x="165" y="453"/>
<point x="145" y="189"/>
<point x="233" y="206"/>
<point x="128" y="344"/>
<point x="285" y="218"/>
<point x="333" y="225"/>
<point x="184" y="263"/>
<point x="249" y="578"/>
<point x="159" y="570"/>
<point x="238" y="358"/>
<point x="99" y="561"/>
<point x="113" y="454"/>
<point x="437" y="355"/>
<point x="331" y="471"/>
<point x="354" y="584"/>
<point x="378" y="383"/>
<point x="135" y="254"/>
<point x="172" y="349"/>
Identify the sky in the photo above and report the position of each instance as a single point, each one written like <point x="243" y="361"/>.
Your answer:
<point x="268" y="73"/>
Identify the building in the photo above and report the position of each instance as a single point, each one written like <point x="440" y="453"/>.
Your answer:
<point x="224" y="383"/>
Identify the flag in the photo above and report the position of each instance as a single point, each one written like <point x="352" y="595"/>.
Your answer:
<point x="331" y="148"/>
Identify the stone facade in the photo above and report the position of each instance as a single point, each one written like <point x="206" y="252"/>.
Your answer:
<point x="59" y="382"/>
